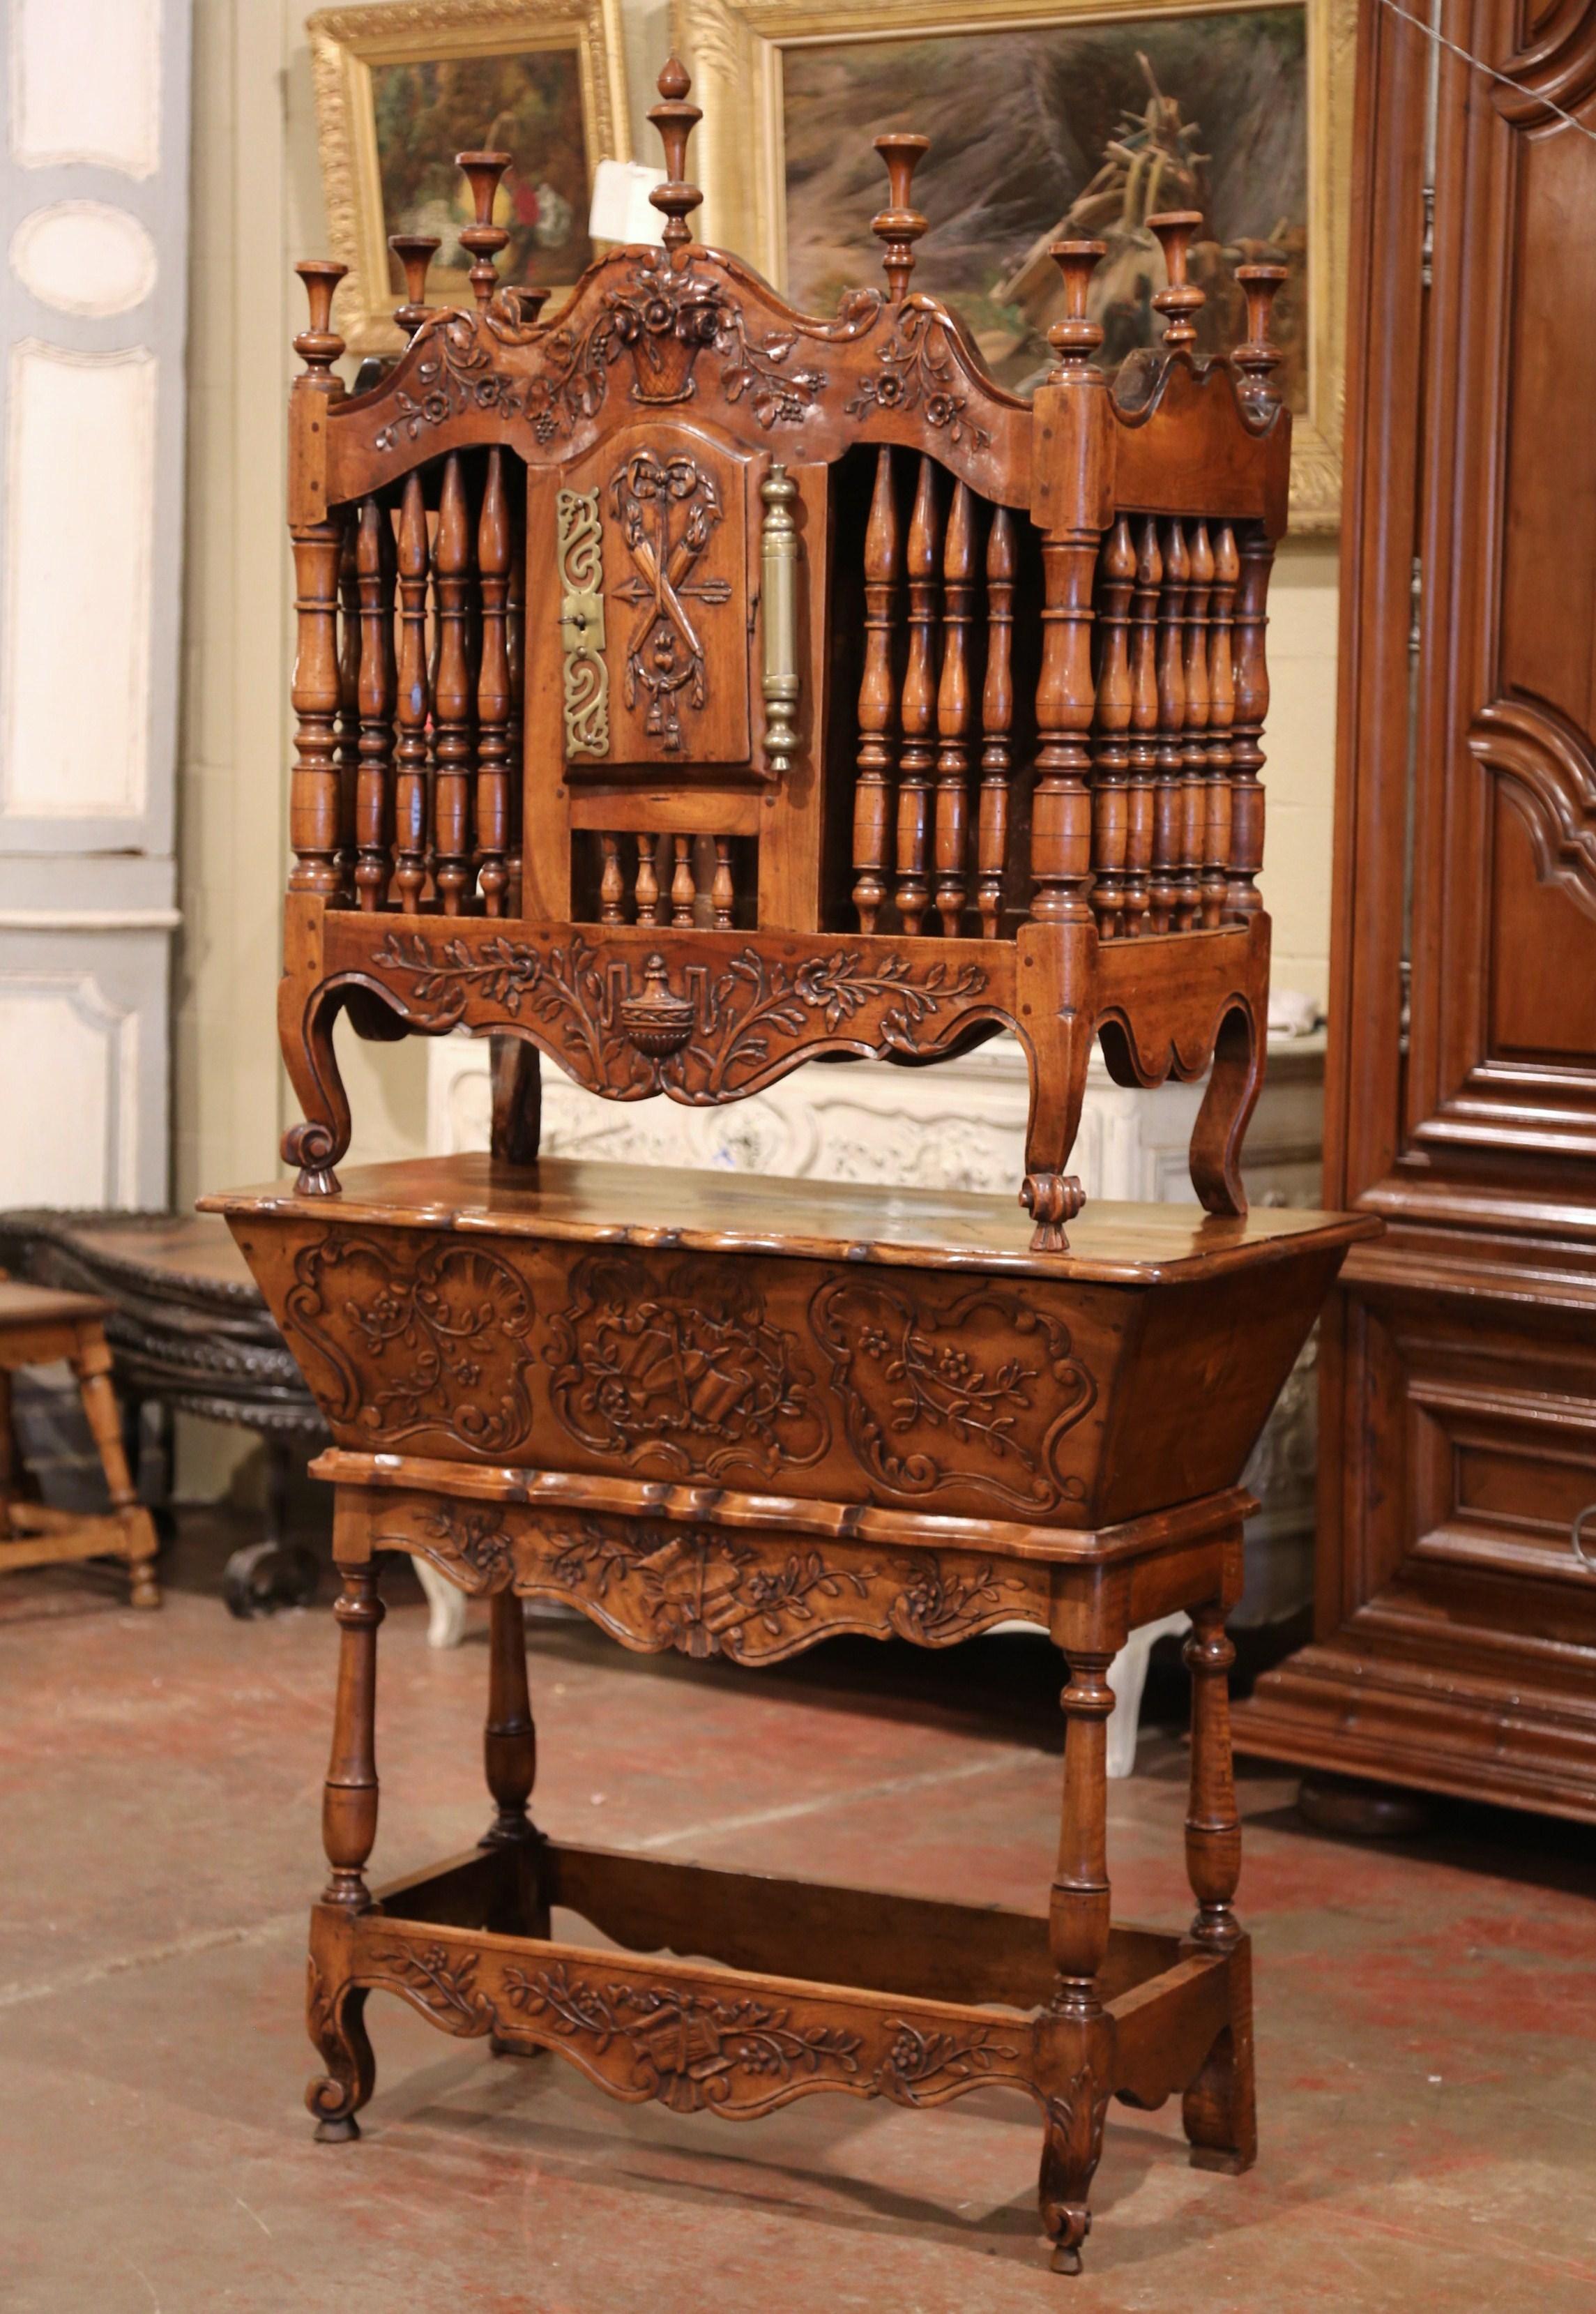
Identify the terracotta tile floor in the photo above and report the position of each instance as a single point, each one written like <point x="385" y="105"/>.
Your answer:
<point x="1426" y="2026"/>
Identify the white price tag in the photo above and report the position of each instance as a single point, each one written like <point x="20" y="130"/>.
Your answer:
<point x="621" y="209"/>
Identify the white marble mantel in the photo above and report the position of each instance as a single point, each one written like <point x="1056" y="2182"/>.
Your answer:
<point x="961" y="1125"/>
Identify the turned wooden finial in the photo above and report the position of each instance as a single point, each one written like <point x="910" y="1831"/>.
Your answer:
<point x="1259" y="355"/>
<point x="897" y="226"/>
<point x="484" y="238"/>
<point x="1075" y="340"/>
<point x="320" y="345"/>
<point x="1182" y="298"/>
<point x="414" y="251"/>
<point x="675" y="119"/>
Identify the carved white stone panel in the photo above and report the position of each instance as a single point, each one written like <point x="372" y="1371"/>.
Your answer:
<point x="75" y="660"/>
<point x="85" y="257"/>
<point x="85" y="83"/>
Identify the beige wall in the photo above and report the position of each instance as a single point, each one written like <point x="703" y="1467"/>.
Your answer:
<point x="257" y="206"/>
<point x="1301" y="772"/>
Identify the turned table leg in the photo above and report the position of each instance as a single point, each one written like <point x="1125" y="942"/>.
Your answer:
<point x="1218" y="2109"/>
<point x="509" y="1740"/>
<point x="509" y="1759"/>
<point x="90" y="1362"/>
<point x="1078" y="1939"/>
<point x="348" y="1829"/>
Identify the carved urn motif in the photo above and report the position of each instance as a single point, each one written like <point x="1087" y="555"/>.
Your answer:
<point x="656" y="1022"/>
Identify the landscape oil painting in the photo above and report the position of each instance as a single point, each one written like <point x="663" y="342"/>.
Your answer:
<point x="1041" y="131"/>
<point x="528" y="105"/>
<point x="402" y="86"/>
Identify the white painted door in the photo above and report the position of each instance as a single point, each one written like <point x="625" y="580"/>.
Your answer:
<point x="95" y="222"/>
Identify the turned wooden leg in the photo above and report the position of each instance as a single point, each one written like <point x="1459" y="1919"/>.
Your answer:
<point x="90" y="1362"/>
<point x="349" y="1796"/>
<point x="1212" y="1826"/>
<point x="509" y="1757"/>
<point x="509" y="1740"/>
<point x="1219" y="2109"/>
<point x="1078" y="1939"/>
<point x="334" y="2007"/>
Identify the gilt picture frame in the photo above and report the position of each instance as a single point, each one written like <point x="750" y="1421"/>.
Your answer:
<point x="1048" y="119"/>
<point x="403" y="85"/>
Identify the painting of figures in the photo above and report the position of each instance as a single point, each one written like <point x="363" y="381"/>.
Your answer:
<point x="403" y="85"/>
<point x="528" y="105"/>
<point x="1039" y="132"/>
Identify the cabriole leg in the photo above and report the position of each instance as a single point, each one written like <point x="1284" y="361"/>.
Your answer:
<point x="1218" y="2109"/>
<point x="348" y="1829"/>
<point x="335" y="2014"/>
<point x="1078" y="1939"/>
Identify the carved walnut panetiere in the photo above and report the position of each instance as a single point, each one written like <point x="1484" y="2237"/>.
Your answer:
<point x="688" y="689"/>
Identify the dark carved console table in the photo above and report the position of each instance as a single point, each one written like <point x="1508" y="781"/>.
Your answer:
<point x="687" y="689"/>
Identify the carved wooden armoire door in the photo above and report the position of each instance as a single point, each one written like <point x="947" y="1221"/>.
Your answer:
<point x="1456" y="1645"/>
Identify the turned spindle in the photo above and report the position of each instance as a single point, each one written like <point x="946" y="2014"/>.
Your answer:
<point x="877" y="700"/>
<point x="493" y="687"/>
<point x="1194" y="765"/>
<point x="1181" y="300"/>
<point x="375" y="692"/>
<point x="1258" y="357"/>
<point x="350" y="644"/>
<point x="318" y="346"/>
<point x="723" y="891"/>
<point x="646" y="891"/>
<point x="612" y="888"/>
<point x="997" y="720"/>
<point x="484" y="238"/>
<point x="898" y="227"/>
<point x="414" y="251"/>
<point x="1171" y="733"/>
<point x="1066" y="691"/>
<point x="951" y="838"/>
<point x="453" y="690"/>
<point x="1075" y="338"/>
<point x="414" y="698"/>
<point x="1250" y="674"/>
<point x="917" y="757"/>
<point x="1221" y="717"/>
<point x="1141" y="795"/>
<point x="1111" y="766"/>
<point x="675" y="119"/>
<point x="684" y="884"/>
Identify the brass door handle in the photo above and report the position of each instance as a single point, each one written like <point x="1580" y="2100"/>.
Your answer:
<point x="778" y="609"/>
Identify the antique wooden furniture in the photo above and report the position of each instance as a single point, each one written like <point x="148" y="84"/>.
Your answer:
<point x="39" y="1326"/>
<point x="817" y="756"/>
<point x="1456" y="1625"/>
<point x="687" y="689"/>
<point x="769" y="1412"/>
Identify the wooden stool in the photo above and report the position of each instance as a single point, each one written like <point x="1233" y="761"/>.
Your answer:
<point x="38" y="1325"/>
